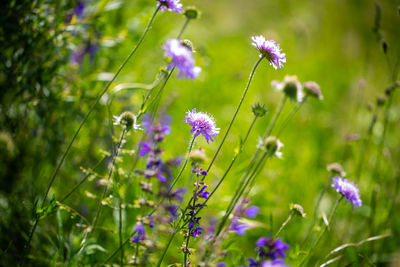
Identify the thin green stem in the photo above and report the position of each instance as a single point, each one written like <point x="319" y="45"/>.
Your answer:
<point x="284" y="224"/>
<point x="290" y="116"/>
<point x="236" y="112"/>
<point x="97" y="215"/>
<point x="312" y="249"/>
<point x="60" y="163"/>
<point x="183" y="28"/>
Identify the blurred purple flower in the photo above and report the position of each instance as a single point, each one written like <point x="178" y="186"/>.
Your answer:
<point x="274" y="263"/>
<point x="202" y="193"/>
<point x="182" y="58"/>
<point x="270" y="50"/>
<point x="275" y="247"/>
<point x="144" y="149"/>
<point x="252" y="211"/>
<point x="221" y="264"/>
<point x="348" y="189"/>
<point x="171" y="5"/>
<point x="239" y="228"/>
<point x="139" y="233"/>
<point x="202" y="123"/>
<point x="178" y="194"/>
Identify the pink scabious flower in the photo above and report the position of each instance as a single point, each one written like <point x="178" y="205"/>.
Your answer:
<point x="202" y="123"/>
<point x="348" y="190"/>
<point x="171" y="5"/>
<point x="270" y="50"/>
<point x="182" y="58"/>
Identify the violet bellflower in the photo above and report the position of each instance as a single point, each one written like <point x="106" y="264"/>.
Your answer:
<point x="347" y="189"/>
<point x="202" y="123"/>
<point x="171" y="5"/>
<point x="270" y="50"/>
<point x="182" y="58"/>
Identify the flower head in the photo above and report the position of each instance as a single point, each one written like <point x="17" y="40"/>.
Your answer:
<point x="182" y="58"/>
<point x="291" y="87"/>
<point x="202" y="123"/>
<point x="272" y="145"/>
<point x="348" y="190"/>
<point x="297" y="209"/>
<point x="139" y="233"/>
<point x="336" y="168"/>
<point x="171" y="5"/>
<point x="270" y="50"/>
<point x="127" y="120"/>
<point x="275" y="247"/>
<point x="312" y="89"/>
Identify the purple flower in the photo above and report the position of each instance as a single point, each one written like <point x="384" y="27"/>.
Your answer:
<point x="252" y="211"/>
<point x="171" y="5"/>
<point x="348" y="190"/>
<point x="275" y="247"/>
<point x="202" y="193"/>
<point x="145" y="148"/>
<point x="173" y="210"/>
<point x="274" y="263"/>
<point x="221" y="264"/>
<point x="178" y="194"/>
<point x="181" y="57"/>
<point x="197" y="232"/>
<point x="270" y="50"/>
<point x="202" y="123"/>
<point x="239" y="228"/>
<point x="139" y="233"/>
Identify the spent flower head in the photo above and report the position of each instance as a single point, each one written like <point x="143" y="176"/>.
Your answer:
<point x="348" y="190"/>
<point x="297" y="209"/>
<point x="202" y="123"/>
<point x="336" y="169"/>
<point x="171" y="5"/>
<point x="312" y="89"/>
<point x="270" y="50"/>
<point x="127" y="120"/>
<point x="181" y="57"/>
<point x="272" y="145"/>
<point x="291" y="87"/>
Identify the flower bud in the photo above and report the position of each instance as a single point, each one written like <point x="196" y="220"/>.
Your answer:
<point x="380" y="101"/>
<point x="272" y="146"/>
<point x="259" y="110"/>
<point x="192" y="12"/>
<point x="198" y="155"/>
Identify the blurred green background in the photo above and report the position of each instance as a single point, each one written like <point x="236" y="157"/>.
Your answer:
<point x="45" y="95"/>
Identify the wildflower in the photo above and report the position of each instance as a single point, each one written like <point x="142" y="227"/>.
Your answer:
<point x="259" y="110"/>
<point x="171" y="5"/>
<point x="272" y="145"/>
<point x="336" y="168"/>
<point x="127" y="120"/>
<point x="241" y="211"/>
<point x="298" y="209"/>
<point x="191" y="13"/>
<point x="270" y="50"/>
<point x="182" y="58"/>
<point x="198" y="155"/>
<point x="272" y="248"/>
<point x="348" y="190"/>
<point x="202" y="193"/>
<point x="221" y="264"/>
<point x="252" y="211"/>
<point x="312" y="88"/>
<point x="274" y="263"/>
<point x="202" y="123"/>
<point x="139" y="233"/>
<point x="291" y="87"/>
